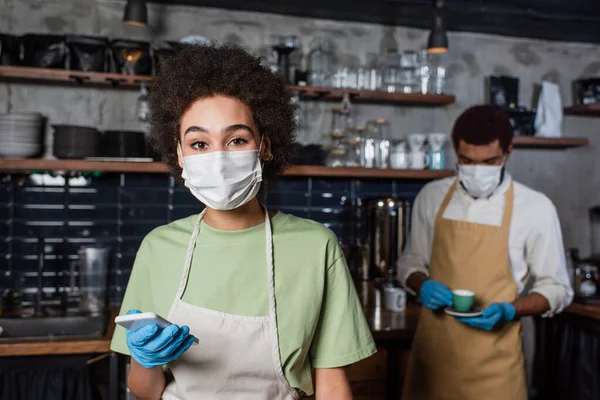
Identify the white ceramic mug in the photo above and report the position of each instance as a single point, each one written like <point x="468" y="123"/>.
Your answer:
<point x="418" y="160"/>
<point x="416" y="141"/>
<point x="394" y="299"/>
<point x="399" y="156"/>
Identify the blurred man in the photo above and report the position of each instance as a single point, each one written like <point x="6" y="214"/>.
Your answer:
<point x="483" y="232"/>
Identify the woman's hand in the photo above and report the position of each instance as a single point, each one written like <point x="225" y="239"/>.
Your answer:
<point x="332" y="384"/>
<point x="151" y="346"/>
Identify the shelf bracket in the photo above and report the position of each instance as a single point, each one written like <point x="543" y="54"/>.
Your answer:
<point x="78" y="79"/>
<point x="116" y="82"/>
<point x="321" y="93"/>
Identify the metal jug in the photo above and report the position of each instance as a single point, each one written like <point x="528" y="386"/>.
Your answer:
<point x="386" y="227"/>
<point x="93" y="274"/>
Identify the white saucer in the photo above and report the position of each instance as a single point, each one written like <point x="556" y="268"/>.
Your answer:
<point x="475" y="312"/>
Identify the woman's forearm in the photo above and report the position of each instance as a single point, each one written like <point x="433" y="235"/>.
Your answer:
<point x="146" y="383"/>
<point x="332" y="384"/>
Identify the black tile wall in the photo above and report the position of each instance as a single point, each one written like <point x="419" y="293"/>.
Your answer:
<point x="118" y="210"/>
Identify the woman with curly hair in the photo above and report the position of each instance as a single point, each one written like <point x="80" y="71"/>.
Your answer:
<point x="256" y="299"/>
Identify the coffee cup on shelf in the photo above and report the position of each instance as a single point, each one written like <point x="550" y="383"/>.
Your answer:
<point x="418" y="160"/>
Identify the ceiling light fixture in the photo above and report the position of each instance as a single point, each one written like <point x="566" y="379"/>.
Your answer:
<point x="438" y="39"/>
<point x="136" y="13"/>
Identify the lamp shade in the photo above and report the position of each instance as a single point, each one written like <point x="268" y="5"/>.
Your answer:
<point x="136" y="13"/>
<point x="438" y="39"/>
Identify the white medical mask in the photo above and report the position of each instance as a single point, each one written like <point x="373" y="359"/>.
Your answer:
<point x="480" y="181"/>
<point x="223" y="180"/>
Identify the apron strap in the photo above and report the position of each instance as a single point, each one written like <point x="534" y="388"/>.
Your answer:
<point x="188" y="263"/>
<point x="509" y="197"/>
<point x="270" y="265"/>
<point x="273" y="307"/>
<point x="446" y="200"/>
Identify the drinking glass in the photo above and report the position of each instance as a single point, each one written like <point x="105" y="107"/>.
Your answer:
<point x="392" y="72"/>
<point x="409" y="67"/>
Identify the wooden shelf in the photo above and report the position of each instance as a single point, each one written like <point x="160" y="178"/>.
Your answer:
<point x="321" y="171"/>
<point x="27" y="164"/>
<point x="33" y="164"/>
<point x="533" y="142"/>
<point x="97" y="79"/>
<point x="591" y="110"/>
<point x="62" y="77"/>
<point x="372" y="96"/>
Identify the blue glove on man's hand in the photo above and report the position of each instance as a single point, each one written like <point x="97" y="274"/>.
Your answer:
<point x="151" y="346"/>
<point x="435" y="295"/>
<point x="495" y="314"/>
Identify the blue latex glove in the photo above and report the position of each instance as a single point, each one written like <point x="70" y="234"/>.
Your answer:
<point x="495" y="314"/>
<point x="151" y="346"/>
<point x="435" y="295"/>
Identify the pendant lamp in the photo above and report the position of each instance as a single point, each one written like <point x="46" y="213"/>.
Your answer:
<point x="136" y="13"/>
<point x="438" y="39"/>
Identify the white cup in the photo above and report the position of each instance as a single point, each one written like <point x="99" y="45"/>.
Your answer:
<point x="399" y="156"/>
<point x="418" y="160"/>
<point x="394" y="299"/>
<point x="416" y="141"/>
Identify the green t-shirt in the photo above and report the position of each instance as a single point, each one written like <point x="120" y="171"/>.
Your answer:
<point x="320" y="320"/>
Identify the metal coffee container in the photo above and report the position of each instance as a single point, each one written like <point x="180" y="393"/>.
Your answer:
<point x="93" y="274"/>
<point x="385" y="231"/>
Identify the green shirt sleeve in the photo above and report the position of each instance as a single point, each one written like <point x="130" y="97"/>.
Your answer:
<point x="342" y="336"/>
<point x="138" y="296"/>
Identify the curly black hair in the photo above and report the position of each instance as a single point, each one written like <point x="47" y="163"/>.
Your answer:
<point x="483" y="124"/>
<point x="196" y="72"/>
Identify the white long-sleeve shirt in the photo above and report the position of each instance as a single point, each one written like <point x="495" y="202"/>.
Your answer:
<point x="535" y="241"/>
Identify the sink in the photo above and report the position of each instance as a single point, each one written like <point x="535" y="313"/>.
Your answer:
<point x="52" y="327"/>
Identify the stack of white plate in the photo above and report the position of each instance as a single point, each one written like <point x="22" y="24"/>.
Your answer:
<point x="21" y="135"/>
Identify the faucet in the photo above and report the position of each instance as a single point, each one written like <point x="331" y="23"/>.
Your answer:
<point x="39" y="312"/>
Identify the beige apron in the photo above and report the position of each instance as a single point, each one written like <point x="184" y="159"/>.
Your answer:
<point x="237" y="357"/>
<point x="451" y="360"/>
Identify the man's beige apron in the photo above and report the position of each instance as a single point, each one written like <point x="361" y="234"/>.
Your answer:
<point x="450" y="360"/>
<point x="237" y="357"/>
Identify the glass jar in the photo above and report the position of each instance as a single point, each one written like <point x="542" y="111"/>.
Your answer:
<point x="336" y="156"/>
<point x="587" y="279"/>
<point x="321" y="64"/>
<point x="354" y="140"/>
<point x="142" y="106"/>
<point x="338" y="123"/>
<point x="382" y="158"/>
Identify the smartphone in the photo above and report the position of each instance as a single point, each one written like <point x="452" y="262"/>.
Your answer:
<point x="134" y="322"/>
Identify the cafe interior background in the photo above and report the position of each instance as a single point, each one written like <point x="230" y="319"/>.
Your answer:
<point x="377" y="87"/>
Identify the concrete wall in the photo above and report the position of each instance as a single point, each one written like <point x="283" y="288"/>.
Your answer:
<point x="570" y="178"/>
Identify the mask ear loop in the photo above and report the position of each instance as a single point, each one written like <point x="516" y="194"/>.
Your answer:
<point x="260" y="148"/>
